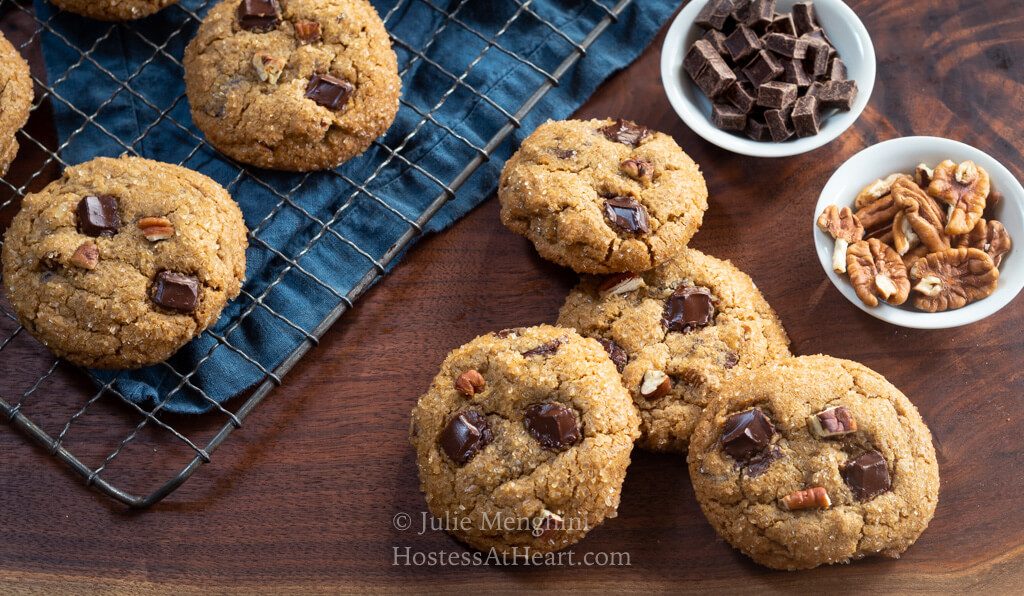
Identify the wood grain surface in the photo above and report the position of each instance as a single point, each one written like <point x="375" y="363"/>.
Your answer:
<point x="304" y="497"/>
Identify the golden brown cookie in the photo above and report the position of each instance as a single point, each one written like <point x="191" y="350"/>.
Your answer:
<point x="677" y="332"/>
<point x="303" y="85"/>
<point x="121" y="262"/>
<point x="113" y="10"/>
<point x="523" y="440"/>
<point x="814" y="460"/>
<point x="602" y="196"/>
<point x="15" y="100"/>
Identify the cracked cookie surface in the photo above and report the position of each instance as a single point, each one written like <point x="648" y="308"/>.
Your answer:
<point x="260" y="113"/>
<point x="15" y="100"/>
<point x="544" y="494"/>
<point x="105" y="316"/>
<point x="114" y="10"/>
<point x="745" y="505"/>
<point x="743" y="333"/>
<point x="564" y="190"/>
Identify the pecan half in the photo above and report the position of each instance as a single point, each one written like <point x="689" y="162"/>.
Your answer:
<point x="876" y="190"/>
<point x="904" y="237"/>
<point x="844" y="226"/>
<point x="989" y="236"/>
<point x="878" y="214"/>
<point x="923" y="175"/>
<point x="964" y="188"/>
<point x="953" y="279"/>
<point x="87" y="256"/>
<point x="156" y="229"/>
<point x="922" y="214"/>
<point x="877" y="271"/>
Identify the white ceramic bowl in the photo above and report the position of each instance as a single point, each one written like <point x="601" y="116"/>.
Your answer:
<point x="902" y="155"/>
<point x="842" y="26"/>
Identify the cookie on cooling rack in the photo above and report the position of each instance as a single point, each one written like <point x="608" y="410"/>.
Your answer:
<point x="15" y="100"/>
<point x="121" y="262"/>
<point x="602" y="196"/>
<point x="113" y="10"/>
<point x="303" y="85"/>
<point x="523" y="439"/>
<point x="814" y="460"/>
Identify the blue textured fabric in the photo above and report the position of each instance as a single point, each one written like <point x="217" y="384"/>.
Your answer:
<point x="330" y="227"/>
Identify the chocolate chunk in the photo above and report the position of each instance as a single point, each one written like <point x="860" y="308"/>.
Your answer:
<point x="757" y="129"/>
<point x="760" y="462"/>
<point x="742" y="43"/>
<point x="615" y="352"/>
<point x="627" y="132"/>
<point x="259" y="16"/>
<point x="817" y="58"/>
<point x="98" y="216"/>
<point x="776" y="95"/>
<point x="717" y="40"/>
<point x="466" y="434"/>
<point x="805" y="115"/>
<point x="867" y="475"/>
<point x="728" y="117"/>
<point x="779" y="124"/>
<point x="804" y="17"/>
<point x="510" y="331"/>
<point x="714" y="15"/>
<point x="553" y="425"/>
<point x="763" y="68"/>
<point x="794" y="72"/>
<point x="626" y="214"/>
<point x="565" y="153"/>
<point x="731" y="360"/>
<point x="707" y="68"/>
<point x="835" y="94"/>
<point x="783" y="23"/>
<point x="329" y="92"/>
<point x="836" y="70"/>
<point x="176" y="291"/>
<point x="740" y="10"/>
<point x="741" y="96"/>
<point x="688" y="308"/>
<point x="786" y="45"/>
<point x="747" y="435"/>
<point x="545" y="349"/>
<point x="818" y="35"/>
<point x="762" y="13"/>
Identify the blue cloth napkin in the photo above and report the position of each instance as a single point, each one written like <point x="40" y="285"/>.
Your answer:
<point x="97" y="116"/>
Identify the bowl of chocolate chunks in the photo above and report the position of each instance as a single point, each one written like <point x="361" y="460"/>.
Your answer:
<point x="768" y="78"/>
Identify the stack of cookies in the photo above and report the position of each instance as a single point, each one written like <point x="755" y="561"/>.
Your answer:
<point x="795" y="461"/>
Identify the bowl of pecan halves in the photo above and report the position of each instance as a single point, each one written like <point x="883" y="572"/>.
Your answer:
<point x="920" y="232"/>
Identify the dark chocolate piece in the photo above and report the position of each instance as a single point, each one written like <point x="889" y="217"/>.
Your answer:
<point x="835" y="94"/>
<point x="626" y="214"/>
<point x="782" y="24"/>
<point x="804" y="17"/>
<point x="544" y="349"/>
<point x="715" y="76"/>
<point x="717" y="40"/>
<point x="817" y="58"/>
<point x="465" y="435"/>
<point x="714" y="15"/>
<point x="176" y="291"/>
<point x="742" y="43"/>
<point x="867" y="475"/>
<point x="793" y="72"/>
<point x="728" y="117"/>
<point x="763" y="68"/>
<point x="836" y="70"/>
<point x="553" y="425"/>
<point x="786" y="45"/>
<point x="741" y="96"/>
<point x="615" y="352"/>
<point x="747" y="435"/>
<point x="779" y="124"/>
<point x="740" y="10"/>
<point x="688" y="308"/>
<point x="762" y="13"/>
<point x="757" y="129"/>
<point x="626" y="132"/>
<point x="98" y="216"/>
<point x="760" y="462"/>
<point x="329" y="92"/>
<point x="806" y="121"/>
<point x="776" y="95"/>
<point x="259" y="16"/>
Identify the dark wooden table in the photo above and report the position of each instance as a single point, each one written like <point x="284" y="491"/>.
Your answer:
<point x="304" y="497"/>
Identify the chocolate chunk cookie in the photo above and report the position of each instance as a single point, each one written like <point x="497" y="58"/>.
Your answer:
<point x="114" y="10"/>
<point x="523" y="440"/>
<point x="300" y="85"/>
<point x="814" y="460"/>
<point x="678" y="331"/>
<point x="121" y="262"/>
<point x="602" y="196"/>
<point x="15" y="100"/>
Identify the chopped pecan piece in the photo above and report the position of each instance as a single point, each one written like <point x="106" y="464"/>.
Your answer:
<point x="923" y="175"/>
<point x="953" y="279"/>
<point x="470" y="383"/>
<point x="87" y="256"/>
<point x="844" y="226"/>
<point x="832" y="422"/>
<point x="268" y="67"/>
<point x="307" y="32"/>
<point x="811" y="498"/>
<point x="922" y="214"/>
<point x="655" y="385"/>
<point x="620" y="283"/>
<point x="156" y="229"/>
<point x="964" y="188"/>
<point x="989" y="236"/>
<point x="876" y="190"/>
<point x="640" y="170"/>
<point x="877" y="271"/>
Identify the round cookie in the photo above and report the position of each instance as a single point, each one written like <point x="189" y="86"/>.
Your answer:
<point x="682" y="330"/>
<point x="300" y="86"/>
<point x="523" y="440"/>
<point x="15" y="100"/>
<point x="121" y="262"/>
<point x="814" y="460"/>
<point x="113" y="10"/>
<point x="602" y="196"/>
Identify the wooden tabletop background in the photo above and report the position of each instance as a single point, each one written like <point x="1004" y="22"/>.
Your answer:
<point x="303" y="498"/>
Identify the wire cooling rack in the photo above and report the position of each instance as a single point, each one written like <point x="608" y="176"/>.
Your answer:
<point x="98" y="432"/>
